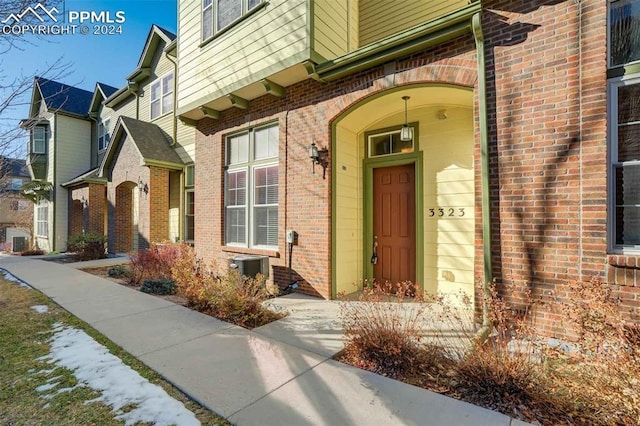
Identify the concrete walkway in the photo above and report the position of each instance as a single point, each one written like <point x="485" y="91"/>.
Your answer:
<point x="278" y="374"/>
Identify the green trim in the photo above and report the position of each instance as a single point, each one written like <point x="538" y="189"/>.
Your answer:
<point x="419" y="200"/>
<point x="163" y="164"/>
<point x="371" y="163"/>
<point x="417" y="38"/>
<point x="485" y="330"/>
<point x="252" y="78"/>
<point x="623" y="70"/>
<point x="414" y="125"/>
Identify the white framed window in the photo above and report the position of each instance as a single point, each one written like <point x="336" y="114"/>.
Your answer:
<point x="251" y="194"/>
<point x="388" y="143"/>
<point x="189" y="215"/>
<point x="624" y="165"/>
<point x="38" y="140"/>
<point x="42" y="219"/>
<point x="104" y="134"/>
<point x="624" y="32"/>
<point x="220" y="14"/>
<point x="189" y="204"/>
<point x="623" y="94"/>
<point x="162" y="96"/>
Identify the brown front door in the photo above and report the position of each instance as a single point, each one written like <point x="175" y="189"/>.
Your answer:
<point x="394" y="223"/>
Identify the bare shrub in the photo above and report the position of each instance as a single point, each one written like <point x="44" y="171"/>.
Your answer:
<point x="155" y="262"/>
<point x="229" y="297"/>
<point x="382" y="331"/>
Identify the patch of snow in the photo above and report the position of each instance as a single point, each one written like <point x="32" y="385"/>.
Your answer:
<point x="10" y="277"/>
<point x="47" y="387"/>
<point x="41" y="309"/>
<point x="119" y="385"/>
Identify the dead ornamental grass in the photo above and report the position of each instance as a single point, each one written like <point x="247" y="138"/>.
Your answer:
<point x="432" y="345"/>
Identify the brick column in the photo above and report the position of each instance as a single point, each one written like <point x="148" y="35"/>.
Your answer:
<point x="158" y="204"/>
<point x="97" y="195"/>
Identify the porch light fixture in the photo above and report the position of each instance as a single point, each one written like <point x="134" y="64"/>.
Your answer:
<point x="319" y="156"/>
<point x="142" y="186"/>
<point x="406" y="134"/>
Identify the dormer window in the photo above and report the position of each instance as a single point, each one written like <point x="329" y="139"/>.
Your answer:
<point x="38" y="140"/>
<point x="104" y="135"/>
<point x="220" y="14"/>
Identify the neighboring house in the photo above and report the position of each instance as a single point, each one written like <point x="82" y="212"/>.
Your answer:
<point x="59" y="149"/>
<point x="16" y="212"/>
<point x="520" y="114"/>
<point x="134" y="162"/>
<point x="134" y="190"/>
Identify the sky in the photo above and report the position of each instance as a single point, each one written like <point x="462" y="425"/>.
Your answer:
<point x="92" y="58"/>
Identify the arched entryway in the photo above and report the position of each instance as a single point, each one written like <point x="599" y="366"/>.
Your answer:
<point x="126" y="218"/>
<point x="414" y="198"/>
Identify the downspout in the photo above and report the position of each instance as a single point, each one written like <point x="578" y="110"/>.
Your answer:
<point x="175" y="92"/>
<point x="52" y="241"/>
<point x="174" y="142"/>
<point x="484" y="331"/>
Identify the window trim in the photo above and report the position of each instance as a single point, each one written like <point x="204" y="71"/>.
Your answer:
<point x="44" y="223"/>
<point x="249" y="167"/>
<point x="161" y="96"/>
<point x="44" y="140"/>
<point x="388" y="130"/>
<point x="232" y="24"/>
<point x="612" y="144"/>
<point x="103" y="134"/>
<point x="189" y="190"/>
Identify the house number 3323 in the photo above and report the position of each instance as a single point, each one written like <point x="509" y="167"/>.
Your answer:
<point x="447" y="212"/>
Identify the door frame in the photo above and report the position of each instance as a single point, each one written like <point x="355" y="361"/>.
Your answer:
<point x="369" y="164"/>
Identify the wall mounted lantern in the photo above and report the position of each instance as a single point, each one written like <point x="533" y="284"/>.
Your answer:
<point x="143" y="187"/>
<point x="319" y="156"/>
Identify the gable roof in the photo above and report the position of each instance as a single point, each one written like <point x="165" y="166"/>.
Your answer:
<point x="156" y="35"/>
<point x="90" y="176"/>
<point x="152" y="144"/>
<point x="106" y="89"/>
<point x="61" y="97"/>
<point x="100" y="93"/>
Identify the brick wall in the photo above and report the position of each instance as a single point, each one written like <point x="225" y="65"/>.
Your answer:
<point x="546" y="81"/>
<point x="304" y="115"/>
<point x="78" y="197"/>
<point x="125" y="172"/>
<point x="158" y="204"/>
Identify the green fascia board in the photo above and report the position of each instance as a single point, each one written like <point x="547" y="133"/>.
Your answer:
<point x="288" y="62"/>
<point x="163" y="164"/>
<point x="418" y="38"/>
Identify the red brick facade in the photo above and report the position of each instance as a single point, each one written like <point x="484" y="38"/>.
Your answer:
<point x="547" y="105"/>
<point x="87" y="209"/>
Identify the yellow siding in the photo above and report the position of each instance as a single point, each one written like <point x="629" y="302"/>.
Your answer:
<point x="382" y="18"/>
<point x="73" y="140"/>
<point x="449" y="185"/>
<point x="349" y="218"/>
<point x="160" y="66"/>
<point x="331" y="27"/>
<point x="272" y="39"/>
<point x="354" y="24"/>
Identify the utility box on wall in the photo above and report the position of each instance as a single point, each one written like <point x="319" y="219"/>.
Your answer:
<point x="250" y="266"/>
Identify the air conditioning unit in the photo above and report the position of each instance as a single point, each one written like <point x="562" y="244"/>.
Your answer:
<point x="250" y="266"/>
